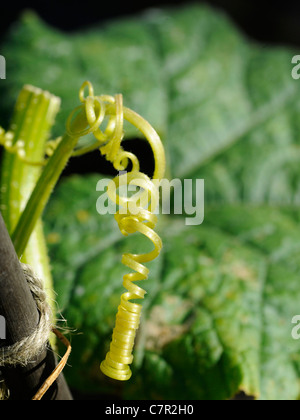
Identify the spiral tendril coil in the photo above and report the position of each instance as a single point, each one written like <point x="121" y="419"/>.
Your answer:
<point x="135" y="214"/>
<point x="18" y="147"/>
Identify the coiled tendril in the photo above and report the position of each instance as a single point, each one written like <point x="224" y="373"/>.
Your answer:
<point x="103" y="117"/>
<point x="135" y="213"/>
<point x="18" y="148"/>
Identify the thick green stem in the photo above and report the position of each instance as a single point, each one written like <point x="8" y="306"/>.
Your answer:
<point x="32" y="120"/>
<point x="33" y="117"/>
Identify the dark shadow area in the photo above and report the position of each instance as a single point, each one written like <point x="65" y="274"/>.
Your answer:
<point x="94" y="162"/>
<point x="265" y="21"/>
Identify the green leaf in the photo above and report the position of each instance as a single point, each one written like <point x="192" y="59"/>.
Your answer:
<point x="221" y="297"/>
<point x="218" y="312"/>
<point x="60" y="63"/>
<point x="194" y="77"/>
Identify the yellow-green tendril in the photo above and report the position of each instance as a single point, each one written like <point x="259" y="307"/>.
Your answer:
<point x="135" y="215"/>
<point x="18" y="148"/>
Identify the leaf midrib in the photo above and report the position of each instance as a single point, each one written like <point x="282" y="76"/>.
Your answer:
<point x="259" y="117"/>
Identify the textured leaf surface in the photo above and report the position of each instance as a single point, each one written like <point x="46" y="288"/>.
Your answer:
<point x="195" y="78"/>
<point x="217" y="316"/>
<point x="218" y="312"/>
